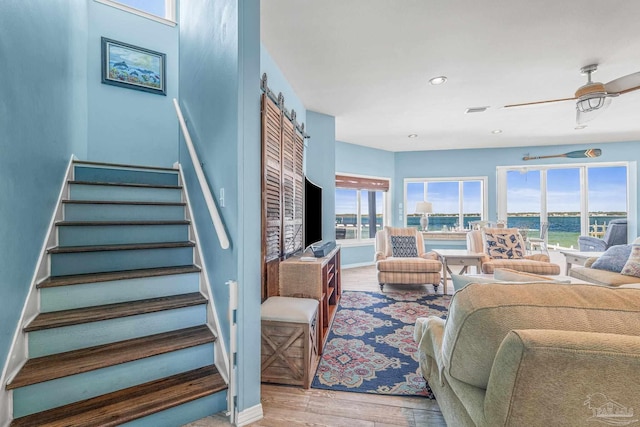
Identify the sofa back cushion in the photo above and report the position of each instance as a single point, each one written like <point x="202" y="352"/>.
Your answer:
<point x="481" y="315"/>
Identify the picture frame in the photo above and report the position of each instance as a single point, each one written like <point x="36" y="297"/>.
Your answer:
<point x="133" y="67"/>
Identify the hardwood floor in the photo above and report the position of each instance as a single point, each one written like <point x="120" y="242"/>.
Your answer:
<point x="293" y="406"/>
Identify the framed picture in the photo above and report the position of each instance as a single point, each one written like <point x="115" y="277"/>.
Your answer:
<point x="133" y="67"/>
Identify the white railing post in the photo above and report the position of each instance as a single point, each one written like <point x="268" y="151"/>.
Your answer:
<point x="233" y="350"/>
<point x="206" y="191"/>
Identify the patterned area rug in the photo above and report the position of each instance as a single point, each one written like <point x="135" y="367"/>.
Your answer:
<point x="371" y="348"/>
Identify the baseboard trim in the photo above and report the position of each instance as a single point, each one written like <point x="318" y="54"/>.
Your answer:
<point x="360" y="264"/>
<point x="249" y="415"/>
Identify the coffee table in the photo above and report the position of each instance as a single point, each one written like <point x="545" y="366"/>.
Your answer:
<point x="577" y="257"/>
<point x="461" y="257"/>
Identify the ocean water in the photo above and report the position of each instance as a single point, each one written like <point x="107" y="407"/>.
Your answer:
<point x="570" y="224"/>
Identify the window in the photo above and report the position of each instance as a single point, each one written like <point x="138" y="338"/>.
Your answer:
<point x="361" y="205"/>
<point x="574" y="200"/>
<point x="455" y="201"/>
<point x="159" y="10"/>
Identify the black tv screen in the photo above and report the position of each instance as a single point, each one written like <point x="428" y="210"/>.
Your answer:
<point x="312" y="213"/>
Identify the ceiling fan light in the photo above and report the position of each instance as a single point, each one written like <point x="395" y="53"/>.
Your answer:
<point x="590" y="103"/>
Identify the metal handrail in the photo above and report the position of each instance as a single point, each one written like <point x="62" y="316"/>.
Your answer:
<point x="206" y="191"/>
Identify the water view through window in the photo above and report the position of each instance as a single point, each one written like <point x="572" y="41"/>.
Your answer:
<point x="555" y="195"/>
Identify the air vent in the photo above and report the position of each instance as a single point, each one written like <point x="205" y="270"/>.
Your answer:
<point x="476" y="110"/>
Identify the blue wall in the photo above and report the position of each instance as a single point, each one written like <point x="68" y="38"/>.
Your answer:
<point x="43" y="106"/>
<point x="124" y="125"/>
<point x="219" y="95"/>
<point x="359" y="160"/>
<point x="483" y="162"/>
<point x="320" y="166"/>
<point x="354" y="159"/>
<point x="278" y="83"/>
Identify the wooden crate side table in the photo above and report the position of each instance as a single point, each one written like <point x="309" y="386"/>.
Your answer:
<point x="289" y="343"/>
<point x="318" y="279"/>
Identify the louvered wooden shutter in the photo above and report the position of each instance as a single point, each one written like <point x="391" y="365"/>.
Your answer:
<point x="282" y="192"/>
<point x="271" y="180"/>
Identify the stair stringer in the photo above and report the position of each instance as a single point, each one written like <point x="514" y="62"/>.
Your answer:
<point x="220" y="350"/>
<point x="18" y="353"/>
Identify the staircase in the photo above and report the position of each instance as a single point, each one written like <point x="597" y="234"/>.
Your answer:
<point x="124" y="332"/>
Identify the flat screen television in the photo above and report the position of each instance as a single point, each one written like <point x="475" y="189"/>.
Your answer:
<point x="312" y="218"/>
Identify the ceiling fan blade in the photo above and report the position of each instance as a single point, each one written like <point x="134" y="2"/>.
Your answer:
<point x="624" y="84"/>
<point x="524" y="104"/>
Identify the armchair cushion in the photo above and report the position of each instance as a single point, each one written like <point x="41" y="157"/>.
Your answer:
<point x="613" y="259"/>
<point x="404" y="246"/>
<point x="503" y="243"/>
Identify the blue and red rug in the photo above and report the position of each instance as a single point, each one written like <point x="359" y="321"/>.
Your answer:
<point x="371" y="348"/>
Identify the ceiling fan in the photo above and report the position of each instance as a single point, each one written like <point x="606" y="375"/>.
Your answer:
<point x="593" y="97"/>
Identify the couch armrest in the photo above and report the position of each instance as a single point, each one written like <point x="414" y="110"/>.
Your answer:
<point x="379" y="256"/>
<point x="589" y="261"/>
<point x="428" y="333"/>
<point x="542" y="376"/>
<point x="431" y="255"/>
<point x="538" y="257"/>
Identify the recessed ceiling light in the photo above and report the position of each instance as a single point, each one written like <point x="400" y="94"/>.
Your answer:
<point x="476" y="109"/>
<point x="496" y="131"/>
<point x="580" y="127"/>
<point x="437" y="80"/>
<point x="413" y="135"/>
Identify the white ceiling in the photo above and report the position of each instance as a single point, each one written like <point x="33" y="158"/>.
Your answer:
<point x="367" y="62"/>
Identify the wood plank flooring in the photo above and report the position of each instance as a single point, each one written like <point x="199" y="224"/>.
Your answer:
<point x="294" y="406"/>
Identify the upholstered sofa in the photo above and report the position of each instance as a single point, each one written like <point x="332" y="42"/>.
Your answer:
<point x="600" y="276"/>
<point x="534" y="355"/>
<point x="538" y="263"/>
<point x="405" y="265"/>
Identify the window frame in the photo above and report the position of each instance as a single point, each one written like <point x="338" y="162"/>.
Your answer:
<point x="484" y="182"/>
<point x="386" y="207"/>
<point x="169" y="7"/>
<point x="501" y="188"/>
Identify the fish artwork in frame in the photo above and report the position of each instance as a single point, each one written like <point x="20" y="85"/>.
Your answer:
<point x="133" y="67"/>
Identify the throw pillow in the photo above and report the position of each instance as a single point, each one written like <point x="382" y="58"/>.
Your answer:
<point x="632" y="266"/>
<point x="404" y="246"/>
<point x="503" y="243"/>
<point x="613" y="259"/>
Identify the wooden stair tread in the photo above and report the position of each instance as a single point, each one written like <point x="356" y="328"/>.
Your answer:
<point x="126" y="184"/>
<point x="132" y="403"/>
<point x="46" y="368"/>
<point x="139" y="222"/>
<point x="120" y="202"/>
<point x="124" y="247"/>
<point x="123" y="166"/>
<point x="77" y="316"/>
<point x="77" y="279"/>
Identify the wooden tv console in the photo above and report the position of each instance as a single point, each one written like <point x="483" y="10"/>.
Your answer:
<point x="318" y="279"/>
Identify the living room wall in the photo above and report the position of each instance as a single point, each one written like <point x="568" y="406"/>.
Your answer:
<point x="43" y="106"/>
<point x="124" y="125"/>
<point x="351" y="158"/>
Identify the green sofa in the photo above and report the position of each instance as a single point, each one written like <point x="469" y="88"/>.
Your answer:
<point x="534" y="355"/>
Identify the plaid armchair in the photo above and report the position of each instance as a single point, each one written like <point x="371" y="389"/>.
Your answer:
<point x="398" y="264"/>
<point x="535" y="263"/>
